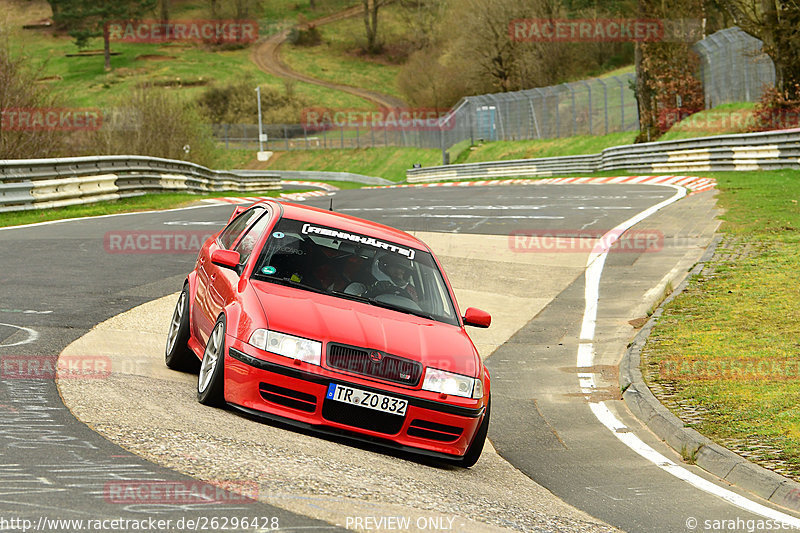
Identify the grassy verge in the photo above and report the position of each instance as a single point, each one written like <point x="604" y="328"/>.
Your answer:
<point x="390" y="163"/>
<point x="147" y="202"/>
<point x="727" y="118"/>
<point x="725" y="353"/>
<point x="587" y="144"/>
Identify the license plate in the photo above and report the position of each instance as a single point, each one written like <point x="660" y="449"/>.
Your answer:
<point x="370" y="400"/>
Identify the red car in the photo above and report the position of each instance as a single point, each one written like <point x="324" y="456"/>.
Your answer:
<point x="337" y="324"/>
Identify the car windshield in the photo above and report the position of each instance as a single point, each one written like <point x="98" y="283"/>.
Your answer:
<point x="357" y="267"/>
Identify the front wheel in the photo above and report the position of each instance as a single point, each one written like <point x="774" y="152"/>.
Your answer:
<point x="210" y="380"/>
<point x="475" y="449"/>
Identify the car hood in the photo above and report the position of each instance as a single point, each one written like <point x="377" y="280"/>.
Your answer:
<point x="332" y="319"/>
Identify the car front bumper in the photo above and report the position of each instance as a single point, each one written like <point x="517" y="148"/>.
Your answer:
<point x="296" y="393"/>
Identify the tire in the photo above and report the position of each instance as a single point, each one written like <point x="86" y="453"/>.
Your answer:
<point x="178" y="355"/>
<point x="211" y="378"/>
<point x="475" y="449"/>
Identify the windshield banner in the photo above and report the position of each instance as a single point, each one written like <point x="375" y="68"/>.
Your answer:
<point x="308" y="229"/>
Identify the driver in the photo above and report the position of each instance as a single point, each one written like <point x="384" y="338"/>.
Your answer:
<point x="399" y="270"/>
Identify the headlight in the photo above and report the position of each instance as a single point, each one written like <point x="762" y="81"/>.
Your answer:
<point x="287" y="345"/>
<point x="449" y="383"/>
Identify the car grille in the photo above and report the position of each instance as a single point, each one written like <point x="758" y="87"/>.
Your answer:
<point x="288" y="398"/>
<point x="361" y="417"/>
<point x="374" y="363"/>
<point x="433" y="431"/>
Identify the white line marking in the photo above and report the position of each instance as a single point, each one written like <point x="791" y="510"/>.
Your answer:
<point x="515" y="217"/>
<point x="96" y="217"/>
<point x="585" y="358"/>
<point x="32" y="335"/>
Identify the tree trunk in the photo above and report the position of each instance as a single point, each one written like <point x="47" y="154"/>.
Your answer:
<point x="645" y="97"/>
<point x="107" y="47"/>
<point x="165" y="11"/>
<point x="371" y="24"/>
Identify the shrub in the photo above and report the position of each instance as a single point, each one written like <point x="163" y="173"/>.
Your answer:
<point x="776" y="110"/>
<point x="305" y="36"/>
<point x="19" y="91"/>
<point x="153" y="122"/>
<point x="236" y="102"/>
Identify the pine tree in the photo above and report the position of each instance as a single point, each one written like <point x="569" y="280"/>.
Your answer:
<point x="86" y="19"/>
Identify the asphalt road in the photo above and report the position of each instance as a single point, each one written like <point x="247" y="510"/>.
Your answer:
<point x="59" y="280"/>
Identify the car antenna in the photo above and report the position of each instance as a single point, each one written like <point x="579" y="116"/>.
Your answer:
<point x="331" y="206"/>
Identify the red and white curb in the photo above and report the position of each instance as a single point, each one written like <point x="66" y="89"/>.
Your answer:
<point x="693" y="183"/>
<point x="314" y="184"/>
<point x="294" y="197"/>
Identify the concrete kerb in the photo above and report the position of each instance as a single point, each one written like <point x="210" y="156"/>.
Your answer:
<point x="694" y="447"/>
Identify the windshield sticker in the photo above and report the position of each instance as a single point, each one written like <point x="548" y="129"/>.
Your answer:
<point x="269" y="270"/>
<point x="308" y="229"/>
<point x="278" y="235"/>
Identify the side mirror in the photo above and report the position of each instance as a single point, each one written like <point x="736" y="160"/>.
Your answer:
<point x="226" y="259"/>
<point x="239" y="209"/>
<point x="477" y="318"/>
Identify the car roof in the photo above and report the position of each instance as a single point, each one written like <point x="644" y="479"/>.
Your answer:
<point x="348" y="223"/>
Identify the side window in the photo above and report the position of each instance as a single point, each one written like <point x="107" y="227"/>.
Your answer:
<point x="248" y="242"/>
<point x="237" y="227"/>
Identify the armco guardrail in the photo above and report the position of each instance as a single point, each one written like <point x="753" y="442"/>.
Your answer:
<point x="748" y="151"/>
<point x="45" y="183"/>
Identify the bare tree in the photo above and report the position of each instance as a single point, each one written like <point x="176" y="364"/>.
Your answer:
<point x="423" y="18"/>
<point x="164" y="5"/>
<point x="19" y="93"/>
<point x="775" y="22"/>
<point x="371" y="8"/>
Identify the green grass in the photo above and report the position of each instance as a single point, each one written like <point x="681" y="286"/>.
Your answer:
<point x="495" y="151"/>
<point x="742" y="313"/>
<point x="726" y="118"/>
<point x="187" y="67"/>
<point x="338" y="58"/>
<point x="388" y="163"/>
<point x="293" y="10"/>
<point x="147" y="202"/>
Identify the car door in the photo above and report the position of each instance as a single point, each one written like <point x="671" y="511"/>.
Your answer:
<point x="215" y="283"/>
<point x="223" y="282"/>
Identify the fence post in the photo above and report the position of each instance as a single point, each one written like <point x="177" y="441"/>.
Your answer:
<point x="286" y="136"/>
<point x="605" y="102"/>
<point x="558" y="112"/>
<point x="621" y="104"/>
<point x="589" y="91"/>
